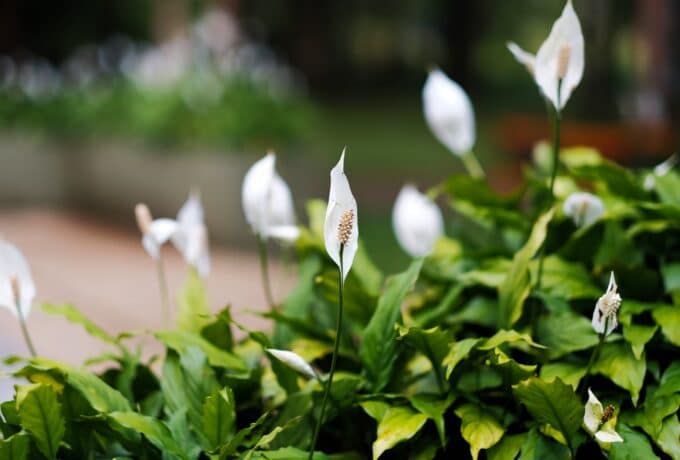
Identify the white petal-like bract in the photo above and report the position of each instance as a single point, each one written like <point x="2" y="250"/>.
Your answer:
<point x="342" y="209"/>
<point x="15" y="278"/>
<point x="294" y="361"/>
<point x="449" y="113"/>
<point x="606" y="309"/>
<point x="267" y="201"/>
<point x="417" y="221"/>
<point x="583" y="208"/>
<point x="523" y="57"/>
<point x="561" y="56"/>
<point x="191" y="235"/>
<point x="158" y="233"/>
<point x="592" y="416"/>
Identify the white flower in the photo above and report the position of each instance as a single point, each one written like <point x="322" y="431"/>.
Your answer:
<point x="16" y="283"/>
<point x="188" y="233"/>
<point x="268" y="202"/>
<point x="583" y="208"/>
<point x="600" y="421"/>
<point x="449" y="113"/>
<point x="560" y="58"/>
<point x="191" y="236"/>
<point x="341" y="227"/>
<point x="294" y="361"/>
<point x="659" y="170"/>
<point x="606" y="309"/>
<point x="417" y="221"/>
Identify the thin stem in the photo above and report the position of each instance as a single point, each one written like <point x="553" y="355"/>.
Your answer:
<point x="336" y="347"/>
<point x="24" y="331"/>
<point x="163" y="287"/>
<point x="472" y="166"/>
<point x="596" y="352"/>
<point x="264" y="271"/>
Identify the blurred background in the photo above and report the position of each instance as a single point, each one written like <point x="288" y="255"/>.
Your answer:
<point x="105" y="104"/>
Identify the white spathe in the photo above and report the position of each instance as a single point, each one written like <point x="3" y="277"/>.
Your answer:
<point x="606" y="309"/>
<point x="584" y="208"/>
<point x="340" y="202"/>
<point x="187" y="232"/>
<point x="268" y="202"/>
<point x="417" y="221"/>
<point x="294" y="361"/>
<point x="592" y="420"/>
<point x="449" y="113"/>
<point x="560" y="57"/>
<point x="14" y="269"/>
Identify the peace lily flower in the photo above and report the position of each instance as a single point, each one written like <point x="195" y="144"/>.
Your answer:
<point x="341" y="228"/>
<point x="660" y="170"/>
<point x="294" y="361"/>
<point x="450" y="116"/>
<point x="268" y="202"/>
<point x="558" y="65"/>
<point x="17" y="289"/>
<point x="600" y="421"/>
<point x="604" y="316"/>
<point x="417" y="221"/>
<point x="583" y="208"/>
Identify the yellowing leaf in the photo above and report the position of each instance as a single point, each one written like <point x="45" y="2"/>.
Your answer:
<point x="478" y="428"/>
<point x="398" y="424"/>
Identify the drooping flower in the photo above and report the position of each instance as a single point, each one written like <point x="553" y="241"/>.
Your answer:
<point x="449" y="113"/>
<point x="600" y="421"/>
<point x="268" y="202"/>
<point x="294" y="361"/>
<point x="417" y="221"/>
<point x="558" y="65"/>
<point x="660" y="170"/>
<point x="187" y="232"/>
<point x="17" y="289"/>
<point x="341" y="228"/>
<point x="583" y="208"/>
<point x="606" y="309"/>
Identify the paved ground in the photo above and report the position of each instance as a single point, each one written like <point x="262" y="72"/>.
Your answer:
<point x="105" y="272"/>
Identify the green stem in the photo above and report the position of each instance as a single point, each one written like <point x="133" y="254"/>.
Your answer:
<point x="336" y="347"/>
<point x="163" y="287"/>
<point x="264" y="270"/>
<point x="24" y="330"/>
<point x="472" y="166"/>
<point x="553" y="175"/>
<point x="593" y="356"/>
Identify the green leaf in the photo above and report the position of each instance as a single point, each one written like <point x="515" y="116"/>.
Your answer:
<point x="638" y="336"/>
<point x="375" y="409"/>
<point x="565" y="280"/>
<point x="565" y="332"/>
<point x="517" y="284"/>
<point x="671" y="276"/>
<point x="155" y="431"/>
<point x="508" y="448"/>
<point x="230" y="448"/>
<point x="635" y="446"/>
<point x="379" y="348"/>
<point x="434" y="408"/>
<point x="73" y="315"/>
<point x="507" y="336"/>
<point x="668" y="318"/>
<point x="669" y="438"/>
<point x="539" y="447"/>
<point x="15" y="447"/>
<point x="569" y="373"/>
<point x="554" y="403"/>
<point x="41" y="416"/>
<point x="181" y="341"/>
<point x="458" y="351"/>
<point x="617" y="362"/>
<point x="433" y="343"/>
<point x="193" y="312"/>
<point x="668" y="188"/>
<point x="670" y="381"/>
<point x="478" y="428"/>
<point x="219" y="417"/>
<point x="398" y="424"/>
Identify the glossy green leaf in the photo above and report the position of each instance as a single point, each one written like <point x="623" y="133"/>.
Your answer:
<point x="669" y="437"/>
<point x="635" y="445"/>
<point x="670" y="381"/>
<point x="667" y="187"/>
<point x="379" y="348"/>
<point x="458" y="351"/>
<point x="554" y="403"/>
<point x="15" y="447"/>
<point x="181" y="341"/>
<point x="73" y="315"/>
<point x="40" y="414"/>
<point x="479" y="428"/>
<point x="433" y="342"/>
<point x="508" y="448"/>
<point x="154" y="430"/>
<point x="219" y="417"/>
<point x="398" y="424"/>
<point x="617" y="362"/>
<point x="517" y="284"/>
<point x="565" y="332"/>
<point x="569" y="373"/>
<point x="435" y="408"/>
<point x="668" y="318"/>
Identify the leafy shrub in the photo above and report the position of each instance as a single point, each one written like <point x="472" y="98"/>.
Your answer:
<point x="461" y="352"/>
